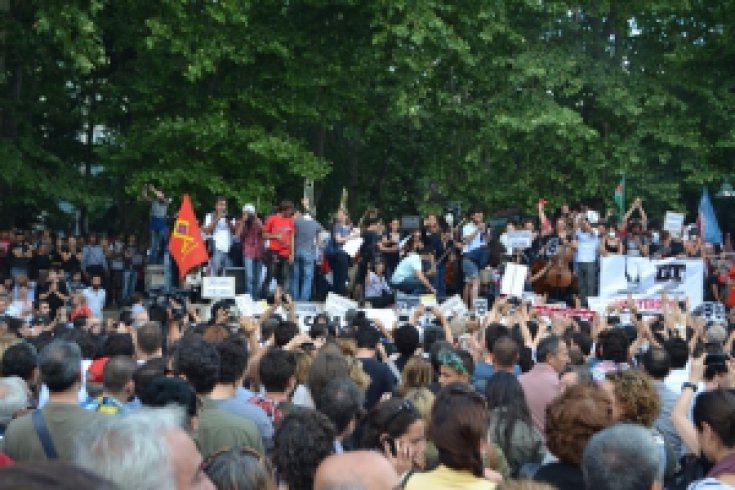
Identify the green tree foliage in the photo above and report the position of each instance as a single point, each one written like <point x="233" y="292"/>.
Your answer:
<point x="406" y="103"/>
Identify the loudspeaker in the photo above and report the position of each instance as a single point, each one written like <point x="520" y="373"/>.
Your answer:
<point x="239" y="274"/>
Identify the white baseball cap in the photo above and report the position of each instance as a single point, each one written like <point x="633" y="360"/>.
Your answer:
<point x="248" y="208"/>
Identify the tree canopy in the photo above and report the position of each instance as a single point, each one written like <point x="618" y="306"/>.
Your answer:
<point x="408" y="104"/>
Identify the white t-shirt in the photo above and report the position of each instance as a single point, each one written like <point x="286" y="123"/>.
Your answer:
<point x="477" y="242"/>
<point x="222" y="235"/>
<point x="587" y="244"/>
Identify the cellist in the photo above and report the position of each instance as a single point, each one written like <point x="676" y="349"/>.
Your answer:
<point x="557" y="248"/>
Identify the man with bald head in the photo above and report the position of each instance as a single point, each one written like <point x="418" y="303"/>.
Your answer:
<point x="355" y="470"/>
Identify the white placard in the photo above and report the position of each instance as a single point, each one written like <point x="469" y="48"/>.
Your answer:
<point x="453" y="306"/>
<point x="337" y="305"/>
<point x="352" y="246"/>
<point x="514" y="278"/>
<point x="593" y="216"/>
<point x="218" y="287"/>
<point x="305" y="312"/>
<point x="428" y="300"/>
<point x="646" y="280"/>
<point x="519" y="239"/>
<point x="387" y="316"/>
<point x="248" y="307"/>
<point x="674" y="223"/>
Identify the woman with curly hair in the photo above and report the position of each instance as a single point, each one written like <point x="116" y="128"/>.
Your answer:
<point x="571" y="420"/>
<point x="635" y="400"/>
<point x="302" y="441"/>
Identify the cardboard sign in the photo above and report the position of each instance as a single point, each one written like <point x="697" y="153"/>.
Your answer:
<point x="519" y="239"/>
<point x="674" y="223"/>
<point x="218" y="287"/>
<point x="428" y="300"/>
<point x="514" y="279"/>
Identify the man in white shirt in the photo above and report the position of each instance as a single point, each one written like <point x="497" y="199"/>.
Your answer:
<point x="586" y="245"/>
<point x="409" y="276"/>
<point x="219" y="229"/>
<point x="95" y="296"/>
<point x="474" y="254"/>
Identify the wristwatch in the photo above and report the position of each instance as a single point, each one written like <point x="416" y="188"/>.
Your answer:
<point x="687" y="384"/>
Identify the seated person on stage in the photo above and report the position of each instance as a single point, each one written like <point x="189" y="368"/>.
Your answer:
<point x="409" y="277"/>
<point x="377" y="289"/>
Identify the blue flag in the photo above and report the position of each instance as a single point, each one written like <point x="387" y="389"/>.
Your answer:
<point x="707" y="221"/>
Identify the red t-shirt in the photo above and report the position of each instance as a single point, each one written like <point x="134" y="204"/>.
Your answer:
<point x="284" y="227"/>
<point x="730" y="300"/>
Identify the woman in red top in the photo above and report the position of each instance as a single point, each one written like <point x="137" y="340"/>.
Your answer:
<point x="250" y="230"/>
<point x="731" y="288"/>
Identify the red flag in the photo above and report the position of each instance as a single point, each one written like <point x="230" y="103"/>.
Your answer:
<point x="186" y="244"/>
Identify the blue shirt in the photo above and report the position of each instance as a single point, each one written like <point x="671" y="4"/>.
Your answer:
<point x="407" y="268"/>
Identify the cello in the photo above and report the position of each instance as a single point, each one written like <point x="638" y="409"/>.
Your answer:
<point x="553" y="274"/>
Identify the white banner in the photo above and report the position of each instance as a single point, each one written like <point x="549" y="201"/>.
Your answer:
<point x="337" y="305"/>
<point x="646" y="280"/>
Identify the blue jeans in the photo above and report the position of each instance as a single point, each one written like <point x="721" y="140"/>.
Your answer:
<point x="438" y="280"/>
<point x="158" y="242"/>
<point x="253" y="272"/>
<point x="130" y="278"/>
<point x="302" y="275"/>
<point x="219" y="262"/>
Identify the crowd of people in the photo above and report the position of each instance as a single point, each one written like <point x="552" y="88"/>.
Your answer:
<point x="154" y="397"/>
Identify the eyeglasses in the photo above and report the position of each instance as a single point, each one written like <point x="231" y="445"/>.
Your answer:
<point x="247" y="451"/>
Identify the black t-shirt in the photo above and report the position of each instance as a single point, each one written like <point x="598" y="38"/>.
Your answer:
<point x="54" y="300"/>
<point x="41" y="262"/>
<point x="381" y="381"/>
<point x="563" y="476"/>
<point x="369" y="246"/>
<point x="14" y="261"/>
<point x="71" y="265"/>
